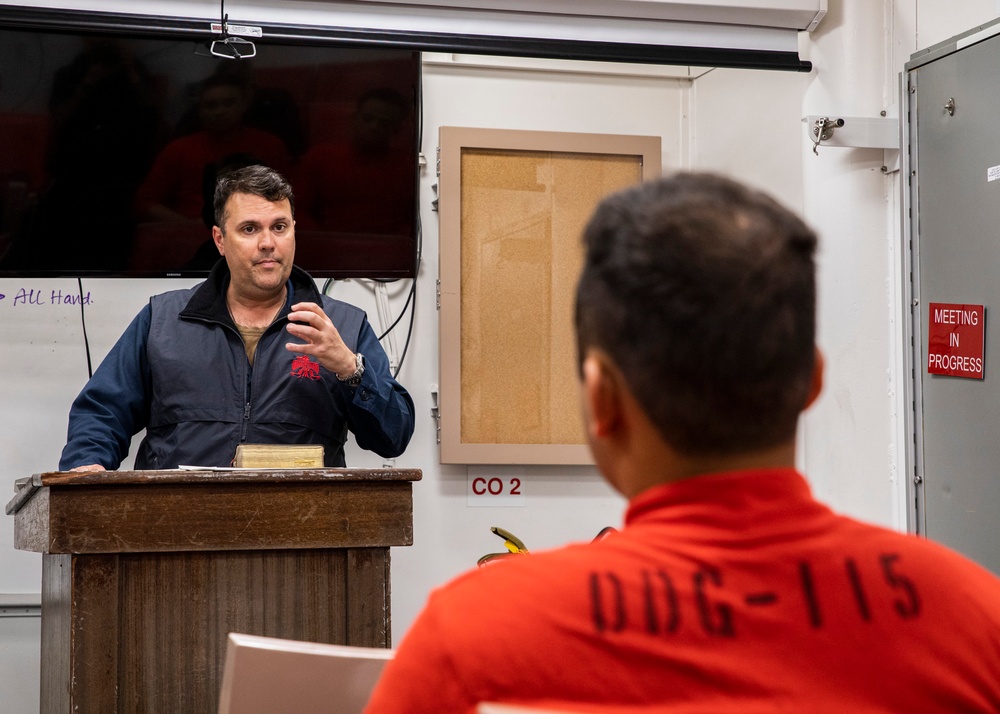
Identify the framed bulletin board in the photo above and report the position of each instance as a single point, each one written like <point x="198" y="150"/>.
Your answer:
<point x="513" y="205"/>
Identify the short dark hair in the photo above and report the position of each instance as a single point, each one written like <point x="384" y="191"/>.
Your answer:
<point x="257" y="180"/>
<point x="703" y="292"/>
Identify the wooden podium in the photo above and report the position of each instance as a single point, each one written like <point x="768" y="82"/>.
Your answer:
<point x="144" y="573"/>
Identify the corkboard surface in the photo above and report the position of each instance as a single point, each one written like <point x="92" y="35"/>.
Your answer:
<point x="522" y="215"/>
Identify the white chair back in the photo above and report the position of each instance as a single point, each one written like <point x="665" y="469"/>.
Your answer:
<point x="266" y="675"/>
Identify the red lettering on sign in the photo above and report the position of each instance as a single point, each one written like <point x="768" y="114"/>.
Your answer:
<point x="494" y="486"/>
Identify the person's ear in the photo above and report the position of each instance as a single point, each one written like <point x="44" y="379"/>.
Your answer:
<point x="816" y="385"/>
<point x="602" y="394"/>
<point x="217" y="238"/>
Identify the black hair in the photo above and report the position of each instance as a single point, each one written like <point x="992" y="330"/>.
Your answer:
<point x="702" y="291"/>
<point x="257" y="180"/>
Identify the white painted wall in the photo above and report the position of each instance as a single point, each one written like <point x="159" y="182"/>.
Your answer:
<point x="744" y="123"/>
<point x="562" y="503"/>
<point x="20" y="652"/>
<point x="848" y="438"/>
<point x="934" y="21"/>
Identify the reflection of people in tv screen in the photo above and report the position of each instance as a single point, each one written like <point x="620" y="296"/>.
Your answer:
<point x="174" y="203"/>
<point x="172" y="192"/>
<point x="104" y="124"/>
<point x="363" y="184"/>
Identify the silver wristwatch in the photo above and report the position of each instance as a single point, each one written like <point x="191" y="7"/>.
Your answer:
<point x="359" y="370"/>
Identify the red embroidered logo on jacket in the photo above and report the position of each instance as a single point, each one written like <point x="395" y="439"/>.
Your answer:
<point x="302" y="366"/>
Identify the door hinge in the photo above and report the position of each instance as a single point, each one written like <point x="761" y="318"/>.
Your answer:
<point x="437" y="293"/>
<point x="436" y="411"/>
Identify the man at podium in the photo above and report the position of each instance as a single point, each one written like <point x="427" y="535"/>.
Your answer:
<point x="255" y="354"/>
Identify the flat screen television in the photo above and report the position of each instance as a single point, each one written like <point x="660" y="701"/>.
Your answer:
<point x="114" y="127"/>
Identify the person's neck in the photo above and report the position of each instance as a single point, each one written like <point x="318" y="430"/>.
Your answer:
<point x="249" y="311"/>
<point x="669" y="466"/>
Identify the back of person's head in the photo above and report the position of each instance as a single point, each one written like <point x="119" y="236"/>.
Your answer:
<point x="702" y="292"/>
<point x="256" y="180"/>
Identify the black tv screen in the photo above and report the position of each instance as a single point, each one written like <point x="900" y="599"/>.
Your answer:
<point x="111" y="140"/>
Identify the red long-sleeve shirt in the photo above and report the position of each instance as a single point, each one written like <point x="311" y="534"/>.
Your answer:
<point x="735" y="592"/>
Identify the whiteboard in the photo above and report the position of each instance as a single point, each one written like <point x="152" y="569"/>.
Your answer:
<point x="43" y="366"/>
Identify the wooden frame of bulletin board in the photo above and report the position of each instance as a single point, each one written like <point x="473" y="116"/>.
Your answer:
<point x="513" y="205"/>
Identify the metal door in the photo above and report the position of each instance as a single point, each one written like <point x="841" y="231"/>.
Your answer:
<point x="953" y="128"/>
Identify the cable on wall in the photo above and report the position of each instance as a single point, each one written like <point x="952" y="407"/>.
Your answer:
<point x="409" y="330"/>
<point x="412" y="299"/>
<point x="83" y="322"/>
<point x="402" y="312"/>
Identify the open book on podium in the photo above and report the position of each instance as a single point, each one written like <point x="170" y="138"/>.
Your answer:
<point x="279" y="456"/>
<point x="267" y="675"/>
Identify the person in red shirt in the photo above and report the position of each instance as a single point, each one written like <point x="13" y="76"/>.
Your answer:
<point x="729" y="588"/>
<point x="362" y="184"/>
<point x="174" y="203"/>
<point x="174" y="191"/>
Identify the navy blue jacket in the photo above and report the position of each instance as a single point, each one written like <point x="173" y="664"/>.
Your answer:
<point x="180" y="371"/>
